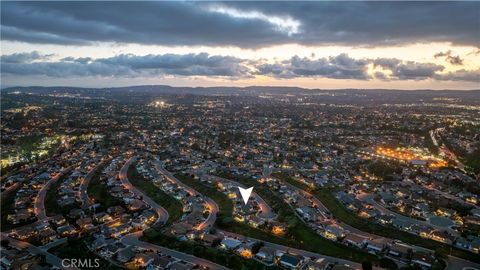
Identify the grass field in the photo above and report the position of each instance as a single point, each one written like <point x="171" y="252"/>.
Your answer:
<point x="99" y="192"/>
<point x="51" y="206"/>
<point x="8" y="207"/>
<point x="173" y="206"/>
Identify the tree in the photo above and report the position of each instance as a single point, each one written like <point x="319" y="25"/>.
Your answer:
<point x="440" y="254"/>
<point x="4" y="243"/>
<point x="366" y="265"/>
<point x="388" y="263"/>
<point x="256" y="247"/>
<point x="383" y="169"/>
<point x="411" y="267"/>
<point x="216" y="242"/>
<point x="291" y="221"/>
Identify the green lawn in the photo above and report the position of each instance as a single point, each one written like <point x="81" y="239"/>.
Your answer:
<point x="292" y="181"/>
<point x="8" y="207"/>
<point x="209" y="253"/>
<point x="343" y="214"/>
<point x="299" y="235"/>
<point x="99" y="192"/>
<point x="173" y="206"/>
<point x="51" y="206"/>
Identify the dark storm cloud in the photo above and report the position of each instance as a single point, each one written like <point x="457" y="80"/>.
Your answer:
<point x="194" y="23"/>
<point x="127" y="65"/>
<point x="165" y="23"/>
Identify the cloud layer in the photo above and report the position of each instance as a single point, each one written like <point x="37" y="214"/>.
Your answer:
<point x="242" y="24"/>
<point x="341" y="66"/>
<point x="126" y="65"/>
<point x="338" y="67"/>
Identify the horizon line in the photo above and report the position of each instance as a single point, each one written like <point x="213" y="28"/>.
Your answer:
<point x="238" y="87"/>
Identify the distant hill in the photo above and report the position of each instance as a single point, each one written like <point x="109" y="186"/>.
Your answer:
<point x="145" y="93"/>
<point x="227" y="90"/>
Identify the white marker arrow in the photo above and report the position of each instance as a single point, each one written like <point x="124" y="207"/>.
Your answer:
<point x="245" y="192"/>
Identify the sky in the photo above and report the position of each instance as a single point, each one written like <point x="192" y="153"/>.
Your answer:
<point x="327" y="45"/>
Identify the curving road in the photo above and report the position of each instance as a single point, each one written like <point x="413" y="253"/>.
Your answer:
<point x="86" y="200"/>
<point x="266" y="210"/>
<point x="133" y="239"/>
<point x="211" y="205"/>
<point x="293" y="251"/>
<point x="440" y="193"/>
<point x="452" y="261"/>
<point x="269" y="244"/>
<point x="39" y="206"/>
<point x="161" y="212"/>
<point x="50" y="258"/>
<point x="10" y="189"/>
<point x="316" y="202"/>
<point x="369" y="198"/>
